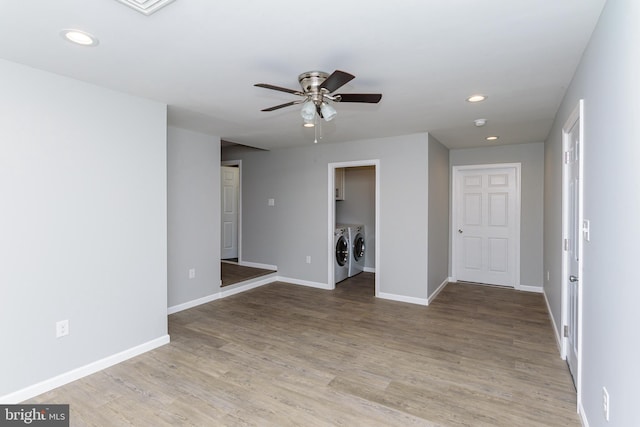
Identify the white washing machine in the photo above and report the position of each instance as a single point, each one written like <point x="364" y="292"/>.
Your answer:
<point x="341" y="244"/>
<point x="357" y="247"/>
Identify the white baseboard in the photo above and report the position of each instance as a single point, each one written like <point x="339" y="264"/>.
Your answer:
<point x="403" y="298"/>
<point x="556" y="332"/>
<point x="437" y="291"/>
<point x="369" y="269"/>
<point x="236" y="288"/>
<point x="247" y="285"/>
<point x="258" y="265"/>
<point x="193" y="303"/>
<point x="583" y="415"/>
<point x="526" y="288"/>
<point x="318" y="285"/>
<point x="83" y="371"/>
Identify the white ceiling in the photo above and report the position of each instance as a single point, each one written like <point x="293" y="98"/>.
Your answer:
<point x="202" y="57"/>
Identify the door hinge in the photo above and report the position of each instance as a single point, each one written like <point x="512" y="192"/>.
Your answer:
<point x="566" y="244"/>
<point x="566" y="157"/>
<point x="566" y="331"/>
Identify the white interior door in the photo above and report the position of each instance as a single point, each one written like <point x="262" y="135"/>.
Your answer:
<point x="572" y="243"/>
<point x="486" y="233"/>
<point x="230" y="185"/>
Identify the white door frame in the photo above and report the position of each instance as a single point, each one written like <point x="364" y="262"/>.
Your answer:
<point x="577" y="115"/>
<point x="331" y="226"/>
<point x="454" y="207"/>
<point x="237" y="163"/>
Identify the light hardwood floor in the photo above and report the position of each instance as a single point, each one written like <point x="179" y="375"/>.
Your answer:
<point x="284" y="355"/>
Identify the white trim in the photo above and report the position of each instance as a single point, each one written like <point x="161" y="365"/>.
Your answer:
<point x="239" y="164"/>
<point x="576" y="115"/>
<point x="236" y="288"/>
<point x="247" y="285"/>
<point x="437" y="291"/>
<point x="403" y="298"/>
<point x="193" y="303"/>
<point x="527" y="288"/>
<point x="271" y="278"/>
<point x="583" y="415"/>
<point x="556" y="332"/>
<point x="83" y="371"/>
<point x="518" y="167"/>
<point x="259" y="265"/>
<point x="331" y="214"/>
<point x="306" y="282"/>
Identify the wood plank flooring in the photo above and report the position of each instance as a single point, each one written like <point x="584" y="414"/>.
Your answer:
<point x="283" y="355"/>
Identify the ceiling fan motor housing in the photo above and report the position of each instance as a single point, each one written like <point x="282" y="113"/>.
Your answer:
<point x="311" y="81"/>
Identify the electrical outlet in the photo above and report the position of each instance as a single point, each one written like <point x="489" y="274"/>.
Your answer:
<point x="548" y="275"/>
<point x="271" y="202"/>
<point x="606" y="404"/>
<point x="308" y="259"/>
<point x="62" y="328"/>
<point x="192" y="273"/>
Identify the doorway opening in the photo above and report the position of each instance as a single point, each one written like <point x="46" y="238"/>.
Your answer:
<point x="336" y="194"/>
<point x="231" y="211"/>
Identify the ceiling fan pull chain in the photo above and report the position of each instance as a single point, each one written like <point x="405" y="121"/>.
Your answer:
<point x="315" y="129"/>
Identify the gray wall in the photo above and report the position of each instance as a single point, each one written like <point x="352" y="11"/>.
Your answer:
<point x="83" y="224"/>
<point x="608" y="79"/>
<point x="439" y="203"/>
<point x="298" y="223"/>
<point x="531" y="220"/>
<point x="193" y="215"/>
<point x="359" y="206"/>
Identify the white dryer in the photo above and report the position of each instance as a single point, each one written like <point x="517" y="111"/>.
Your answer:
<point x="357" y="247"/>
<point x="341" y="258"/>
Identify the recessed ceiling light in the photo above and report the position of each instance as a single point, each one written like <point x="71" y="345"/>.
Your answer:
<point x="492" y="138"/>
<point x="480" y="122"/>
<point x="476" y="98"/>
<point x="79" y="37"/>
<point x="309" y="125"/>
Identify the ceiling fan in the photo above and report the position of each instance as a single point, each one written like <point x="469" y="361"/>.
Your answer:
<point x="317" y="91"/>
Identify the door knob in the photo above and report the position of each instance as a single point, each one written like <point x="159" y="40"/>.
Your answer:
<point x="459" y="231"/>
<point x="573" y="278"/>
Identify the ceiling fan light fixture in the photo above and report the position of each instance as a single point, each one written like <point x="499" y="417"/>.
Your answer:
<point x="308" y="111"/>
<point x="328" y="112"/>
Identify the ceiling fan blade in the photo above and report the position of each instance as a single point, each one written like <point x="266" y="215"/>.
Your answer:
<point x="336" y="80"/>
<point x="372" y="98"/>
<point x="281" y="89"/>
<point x="277" y="107"/>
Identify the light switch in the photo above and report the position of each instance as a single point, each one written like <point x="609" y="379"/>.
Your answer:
<point x="271" y="202"/>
